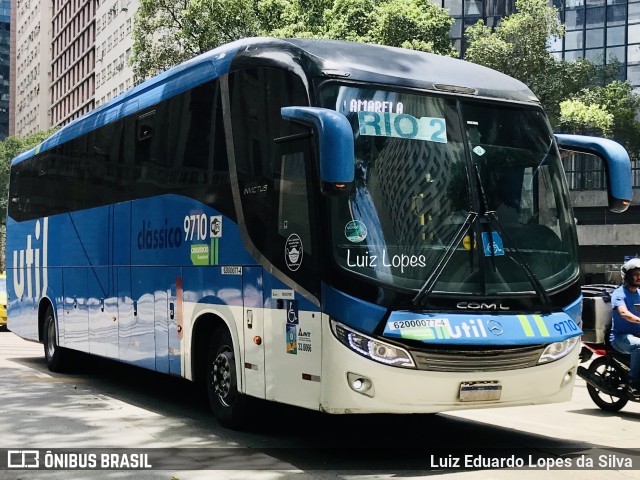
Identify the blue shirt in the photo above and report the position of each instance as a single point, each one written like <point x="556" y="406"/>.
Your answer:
<point x="623" y="296"/>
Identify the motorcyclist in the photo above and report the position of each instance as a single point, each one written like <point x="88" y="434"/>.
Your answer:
<point x="625" y="327"/>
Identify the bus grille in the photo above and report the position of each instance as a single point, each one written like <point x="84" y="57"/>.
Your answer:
<point x="468" y="360"/>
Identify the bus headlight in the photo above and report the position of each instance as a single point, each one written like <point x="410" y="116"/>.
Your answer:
<point x="371" y="348"/>
<point x="557" y="350"/>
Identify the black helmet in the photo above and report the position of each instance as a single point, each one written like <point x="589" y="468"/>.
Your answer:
<point x="628" y="267"/>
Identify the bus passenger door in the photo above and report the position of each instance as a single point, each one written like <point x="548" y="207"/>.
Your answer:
<point x="253" y="368"/>
<point x="274" y="171"/>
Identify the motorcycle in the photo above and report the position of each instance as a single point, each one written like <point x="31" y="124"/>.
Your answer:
<point x="606" y="376"/>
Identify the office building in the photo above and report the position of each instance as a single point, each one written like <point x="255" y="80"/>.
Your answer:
<point x="5" y="61"/>
<point x="114" y="28"/>
<point x="31" y="75"/>
<point x="73" y="60"/>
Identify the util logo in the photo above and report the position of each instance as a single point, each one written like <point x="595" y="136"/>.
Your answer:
<point x="30" y="265"/>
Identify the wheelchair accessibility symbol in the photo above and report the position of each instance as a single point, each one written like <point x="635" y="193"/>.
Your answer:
<point x="292" y="312"/>
<point x="496" y="243"/>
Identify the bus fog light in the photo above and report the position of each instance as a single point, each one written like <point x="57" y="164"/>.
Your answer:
<point x="566" y="380"/>
<point x="360" y="384"/>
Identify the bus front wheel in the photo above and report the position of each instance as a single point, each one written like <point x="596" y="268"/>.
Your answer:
<point x="229" y="406"/>
<point x="55" y="355"/>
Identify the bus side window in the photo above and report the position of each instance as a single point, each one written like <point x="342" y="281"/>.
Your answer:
<point x="293" y="211"/>
<point x="273" y="170"/>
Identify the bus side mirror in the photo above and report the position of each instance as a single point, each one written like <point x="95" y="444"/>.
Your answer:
<point x="335" y="145"/>
<point x="616" y="161"/>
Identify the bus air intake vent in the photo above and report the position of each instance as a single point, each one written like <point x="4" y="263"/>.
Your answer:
<point x="460" y="359"/>
<point x="455" y="89"/>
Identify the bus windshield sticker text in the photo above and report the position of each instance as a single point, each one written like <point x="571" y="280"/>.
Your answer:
<point x="402" y="125"/>
<point x="375" y="106"/>
<point x="402" y="261"/>
<point x="355" y="231"/>
<point x="493" y="248"/>
<point x="293" y="252"/>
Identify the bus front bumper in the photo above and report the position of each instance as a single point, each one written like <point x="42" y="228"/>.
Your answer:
<point x="402" y="390"/>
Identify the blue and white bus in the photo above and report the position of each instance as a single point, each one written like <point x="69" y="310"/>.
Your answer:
<point x="338" y="226"/>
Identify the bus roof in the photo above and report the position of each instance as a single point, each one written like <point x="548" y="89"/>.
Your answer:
<point x="331" y="58"/>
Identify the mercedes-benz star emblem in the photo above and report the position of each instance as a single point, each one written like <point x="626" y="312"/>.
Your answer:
<point x="495" y="327"/>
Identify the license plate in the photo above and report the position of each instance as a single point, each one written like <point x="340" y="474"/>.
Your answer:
<point x="480" y="391"/>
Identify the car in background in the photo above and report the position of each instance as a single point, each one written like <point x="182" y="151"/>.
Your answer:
<point x="3" y="299"/>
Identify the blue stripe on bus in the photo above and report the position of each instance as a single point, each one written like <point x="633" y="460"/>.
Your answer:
<point x="481" y="329"/>
<point x="351" y="311"/>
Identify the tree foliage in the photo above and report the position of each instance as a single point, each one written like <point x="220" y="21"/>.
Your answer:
<point x="519" y="47"/>
<point x="618" y="99"/>
<point x="579" y="117"/>
<point x="167" y="33"/>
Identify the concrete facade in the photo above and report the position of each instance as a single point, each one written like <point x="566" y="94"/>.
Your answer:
<point x="114" y="29"/>
<point x="73" y="59"/>
<point x="5" y="61"/>
<point x="32" y="66"/>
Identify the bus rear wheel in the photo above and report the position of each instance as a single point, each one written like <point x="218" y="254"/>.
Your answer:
<point x="56" y="356"/>
<point x="229" y="406"/>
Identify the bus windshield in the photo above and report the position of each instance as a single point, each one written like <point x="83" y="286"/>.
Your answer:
<point x="474" y="187"/>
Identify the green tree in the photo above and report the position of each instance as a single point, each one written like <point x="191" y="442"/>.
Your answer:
<point x="293" y="18"/>
<point x="578" y="117"/>
<point x="414" y="24"/>
<point x="618" y="99"/>
<point x="167" y="33"/>
<point x="10" y="148"/>
<point x="519" y="47"/>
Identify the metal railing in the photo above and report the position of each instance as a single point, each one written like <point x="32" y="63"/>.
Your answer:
<point x="585" y="173"/>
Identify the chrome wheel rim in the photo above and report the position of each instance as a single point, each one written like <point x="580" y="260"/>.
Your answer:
<point x="223" y="376"/>
<point x="51" y="338"/>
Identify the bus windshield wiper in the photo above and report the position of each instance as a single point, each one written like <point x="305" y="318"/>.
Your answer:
<point x="515" y="255"/>
<point x="427" y="287"/>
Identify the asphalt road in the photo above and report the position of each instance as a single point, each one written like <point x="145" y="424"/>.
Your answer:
<point x="103" y="405"/>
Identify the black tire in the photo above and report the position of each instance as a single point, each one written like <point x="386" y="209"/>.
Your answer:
<point x="610" y="377"/>
<point x="56" y="356"/>
<point x="229" y="406"/>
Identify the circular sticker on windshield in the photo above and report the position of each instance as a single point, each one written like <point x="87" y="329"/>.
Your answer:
<point x="293" y="252"/>
<point x="355" y="231"/>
